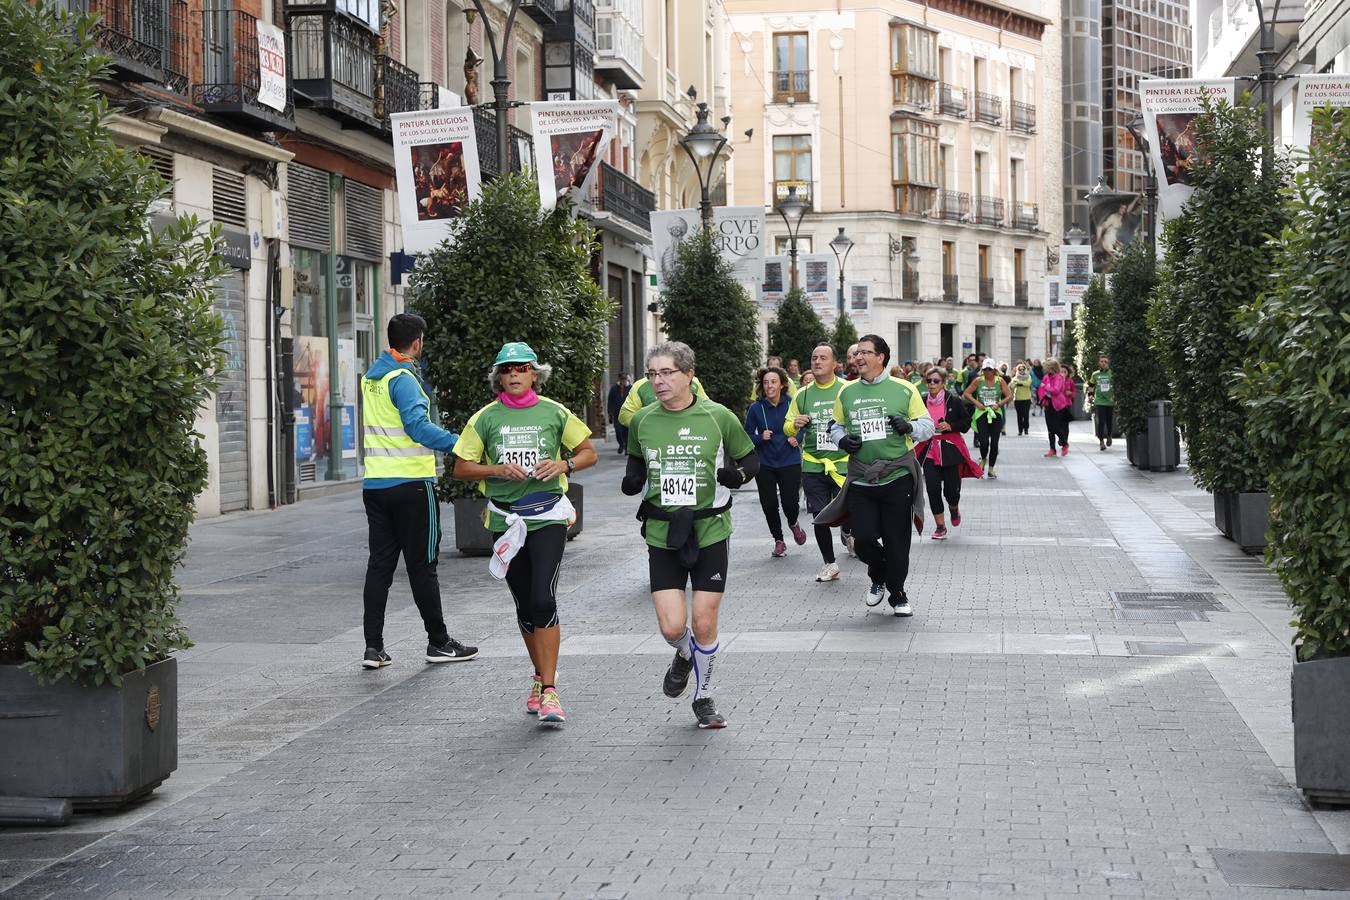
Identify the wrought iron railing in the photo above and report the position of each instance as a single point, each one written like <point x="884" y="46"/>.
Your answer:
<point x="1025" y="216"/>
<point x="135" y="31"/>
<point x="176" y="71"/>
<point x="625" y="198"/>
<point x="953" y="206"/>
<point x="1023" y="117"/>
<point x="909" y="286"/>
<point x="952" y="101"/>
<point x="1021" y="296"/>
<point x="545" y="12"/>
<point x="949" y="289"/>
<point x="402" y="92"/>
<point x="518" y="144"/>
<point x="988" y="108"/>
<point x="428" y="95"/>
<point x="231" y="71"/>
<point x="987" y="291"/>
<point x="989" y="210"/>
<point x="331" y="48"/>
<point x="796" y="85"/>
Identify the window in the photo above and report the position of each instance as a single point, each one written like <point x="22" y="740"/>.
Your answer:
<point x="1019" y="344"/>
<point x="948" y="258"/>
<point x="981" y="174"/>
<point x="781" y="245"/>
<point x="1015" y="180"/>
<point x="914" y="51"/>
<point x="914" y="163"/>
<point x="791" y="68"/>
<point x="792" y="164"/>
<point x="906" y="342"/>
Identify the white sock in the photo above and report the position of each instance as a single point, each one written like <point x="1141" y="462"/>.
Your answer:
<point x="704" y="657"/>
<point x="684" y="643"/>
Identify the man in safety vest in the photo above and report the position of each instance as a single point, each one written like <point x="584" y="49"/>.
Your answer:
<point x="400" y="492"/>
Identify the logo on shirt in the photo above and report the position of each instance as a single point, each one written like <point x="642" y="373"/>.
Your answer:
<point x="684" y="432"/>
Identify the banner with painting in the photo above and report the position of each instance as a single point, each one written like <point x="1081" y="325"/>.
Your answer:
<point x="1056" y="306"/>
<point x="858" y="300"/>
<point x="312" y="426"/>
<point x="1115" y="220"/>
<point x="436" y="164"/>
<point x="775" y="281"/>
<point x="738" y="232"/>
<point x="570" y="139"/>
<point x="815" y="273"/>
<point x="1314" y="92"/>
<point x="1075" y="271"/>
<point x="1169" y="108"/>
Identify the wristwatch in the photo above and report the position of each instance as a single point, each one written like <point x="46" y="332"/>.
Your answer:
<point x="571" y="465"/>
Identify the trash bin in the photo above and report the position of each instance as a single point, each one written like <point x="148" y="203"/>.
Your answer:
<point x="1164" y="444"/>
<point x="1079" y="413"/>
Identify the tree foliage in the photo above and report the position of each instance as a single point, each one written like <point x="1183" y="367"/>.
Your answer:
<point x="843" y="336"/>
<point x="1092" y="318"/>
<point x="1296" y="387"/>
<point x="107" y="344"/>
<point x="1139" y="376"/>
<point x="1165" y="305"/>
<point x="796" y="330"/>
<point x="1068" y="344"/>
<point x="705" y="307"/>
<point x="510" y="272"/>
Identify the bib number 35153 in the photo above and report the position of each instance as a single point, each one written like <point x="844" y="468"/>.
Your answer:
<point x="526" y="458"/>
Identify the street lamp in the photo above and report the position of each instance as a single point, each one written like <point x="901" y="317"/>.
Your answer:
<point x="1136" y="128"/>
<point x="842" y="245"/>
<point x="1266" y="57"/>
<point x="703" y="142"/>
<point x="792" y="208"/>
<point x="499" y="46"/>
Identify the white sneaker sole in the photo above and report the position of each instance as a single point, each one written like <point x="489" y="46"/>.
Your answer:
<point x="449" y="659"/>
<point x="908" y="612"/>
<point x="370" y="664"/>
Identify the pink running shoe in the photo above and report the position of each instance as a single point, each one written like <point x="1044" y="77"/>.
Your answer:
<point x="940" y="533"/>
<point x="798" y="535"/>
<point x="550" y="710"/>
<point x="1050" y="452"/>
<point x="779" y="548"/>
<point x="1064" y="451"/>
<point x="532" y="701"/>
<point x="956" y="519"/>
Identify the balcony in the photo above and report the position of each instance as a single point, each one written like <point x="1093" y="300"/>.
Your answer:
<point x="1023" y="117"/>
<point x="179" y="63"/>
<point x="400" y="91"/>
<point x="950" y="294"/>
<point x="791" y="87"/>
<point x="952" y="101"/>
<point x="625" y="198"/>
<point x="518" y="145"/>
<point x="988" y="109"/>
<point x="545" y="12"/>
<point x="987" y="291"/>
<point x="780" y="191"/>
<point x="909" y="286"/>
<point x="135" y="33"/>
<point x="1026" y="216"/>
<point x="988" y="211"/>
<point x="333" y="59"/>
<point x="952" y="206"/>
<point x="428" y="95"/>
<point x="365" y="11"/>
<point x="231" y="73"/>
<point x="1021" y="295"/>
<point x="618" y="49"/>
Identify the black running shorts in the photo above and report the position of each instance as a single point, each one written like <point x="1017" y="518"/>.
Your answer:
<point x="820" y="489"/>
<point x="708" y="574"/>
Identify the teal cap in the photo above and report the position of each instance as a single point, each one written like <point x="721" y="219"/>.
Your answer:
<point x="515" y="352"/>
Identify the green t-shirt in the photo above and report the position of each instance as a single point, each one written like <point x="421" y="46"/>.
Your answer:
<point x="1103" y="388"/>
<point x="818" y="403"/>
<point x="989" y="394"/>
<point x="498" y="434"/>
<point x="865" y="410"/>
<point x="683" y="451"/>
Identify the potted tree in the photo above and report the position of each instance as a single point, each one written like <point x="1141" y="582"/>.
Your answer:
<point x="509" y="272"/>
<point x="1139" y="378"/>
<point x="107" y="344"/>
<point x="1295" y="384"/>
<point x="796" y="330"/>
<point x="1092" y="318"/>
<point x="1166" y="340"/>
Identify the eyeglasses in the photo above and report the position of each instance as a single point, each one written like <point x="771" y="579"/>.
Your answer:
<point x="652" y="374"/>
<point x="935" y="381"/>
<point x="508" y="368"/>
<point x="866" y="352"/>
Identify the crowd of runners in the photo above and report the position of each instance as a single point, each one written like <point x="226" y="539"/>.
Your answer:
<point x="864" y="440"/>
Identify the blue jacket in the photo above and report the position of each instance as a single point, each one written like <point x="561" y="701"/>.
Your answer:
<point x="776" y="451"/>
<point x="413" y="410"/>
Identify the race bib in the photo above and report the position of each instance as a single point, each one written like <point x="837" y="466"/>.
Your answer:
<point x="824" y="443"/>
<point x="678" y="483"/>
<point x="871" y="425"/>
<point x="1104" y="385"/>
<point x="520" y="450"/>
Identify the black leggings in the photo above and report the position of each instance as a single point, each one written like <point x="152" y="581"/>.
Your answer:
<point x="1105" y="420"/>
<point x="533" y="577"/>
<point x="1057" y="425"/>
<point x="986" y="438"/>
<point x="779" y="484"/>
<point x="1023" y="408"/>
<point x="940" y="480"/>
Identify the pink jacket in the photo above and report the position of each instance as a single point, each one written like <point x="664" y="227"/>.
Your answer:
<point x="1058" y="389"/>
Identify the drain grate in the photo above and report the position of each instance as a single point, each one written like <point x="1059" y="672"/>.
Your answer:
<point x="1162" y="615"/>
<point x="1161" y="648"/>
<point x="1274" y="869"/>
<point x="1165" y="606"/>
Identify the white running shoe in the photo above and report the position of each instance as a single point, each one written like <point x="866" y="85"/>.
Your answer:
<point x="875" y="594"/>
<point x="828" y="572"/>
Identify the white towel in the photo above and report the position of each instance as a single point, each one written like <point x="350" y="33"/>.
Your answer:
<point x="505" y="548"/>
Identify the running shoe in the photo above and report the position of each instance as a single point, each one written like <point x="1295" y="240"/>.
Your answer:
<point x="705" y="710"/>
<point x="983" y="462"/>
<point x="375" y="659"/>
<point x="1050" y="452"/>
<point x="828" y="572"/>
<point x="990" y="473"/>
<point x="1101" y="445"/>
<point x="779" y="549"/>
<point x="956" y="518"/>
<point x="536" y="691"/>
<point x="451" y="651"/>
<point x="1064" y="451"/>
<point x="875" y="594"/>
<point x="1108" y="442"/>
<point x="902" y="609"/>
<point x="798" y="535"/>
<point x="940" y="533"/>
<point x="677" y="676"/>
<point x="550" y="710"/>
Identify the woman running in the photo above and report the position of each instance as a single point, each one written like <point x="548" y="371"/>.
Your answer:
<point x="1021" y="388"/>
<point x="514" y="449"/>
<point x="990" y="394"/>
<point x="945" y="457"/>
<point x="1056" y="396"/>
<point x="780" y="456"/>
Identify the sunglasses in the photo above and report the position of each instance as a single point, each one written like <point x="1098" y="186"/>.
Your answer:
<point x="935" y="381"/>
<point x="508" y="368"/>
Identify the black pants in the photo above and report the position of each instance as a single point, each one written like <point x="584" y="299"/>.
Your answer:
<point x="621" y="435"/>
<point x="1057" y="425"/>
<point x="986" y="438"/>
<point x="820" y="489"/>
<point x="880" y="516"/>
<point x="942" y="480"/>
<point x="779" y="484"/>
<point x="404" y="519"/>
<point x="533" y="577"/>
<point x="1106" y="417"/>
<point x="1023" y="408"/>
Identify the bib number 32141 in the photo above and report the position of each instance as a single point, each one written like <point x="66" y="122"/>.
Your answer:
<point x="872" y="428"/>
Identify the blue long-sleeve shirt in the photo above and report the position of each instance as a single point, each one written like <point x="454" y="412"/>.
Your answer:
<point x="415" y="412"/>
<point x="776" y="451"/>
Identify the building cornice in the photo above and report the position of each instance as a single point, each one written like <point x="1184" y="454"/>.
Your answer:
<point x="995" y="15"/>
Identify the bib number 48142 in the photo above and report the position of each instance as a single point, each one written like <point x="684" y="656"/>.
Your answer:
<point x="678" y="490"/>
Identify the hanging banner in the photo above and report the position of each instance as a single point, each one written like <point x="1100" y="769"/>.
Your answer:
<point x="1169" y="108"/>
<point x="271" y="66"/>
<point x="569" y="142"/>
<point x="815" y="273"/>
<point x="1075" y="271"/>
<point x="311" y="403"/>
<point x="1115" y="220"/>
<point x="738" y="231"/>
<point x="436" y="163"/>
<point x="1056" y="307"/>
<point x="774" y="283"/>
<point x="858" y="300"/>
<point x="1313" y="92"/>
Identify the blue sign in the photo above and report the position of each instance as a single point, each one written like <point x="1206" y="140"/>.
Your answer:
<point x="304" y="433"/>
<point x="349" y="428"/>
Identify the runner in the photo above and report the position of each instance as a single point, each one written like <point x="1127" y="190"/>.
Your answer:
<point x="691" y="453"/>
<point x="877" y="419"/>
<point x="780" y="458"/>
<point x="1021" y="388"/>
<point x="990" y="394"/>
<point x="1103" y="392"/>
<point x="823" y="463"/>
<point x="945" y="457"/>
<point x="514" y="449"/>
<point x="642" y="394"/>
<point x="1056" y="395"/>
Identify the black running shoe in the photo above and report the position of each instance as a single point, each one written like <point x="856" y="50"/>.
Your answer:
<point x="451" y="651"/>
<point x="677" y="676"/>
<point x="375" y="659"/>
<point x="708" y="716"/>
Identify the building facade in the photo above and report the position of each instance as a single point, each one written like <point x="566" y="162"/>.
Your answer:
<point x="929" y="132"/>
<point x="1225" y="41"/>
<point x="1324" y="37"/>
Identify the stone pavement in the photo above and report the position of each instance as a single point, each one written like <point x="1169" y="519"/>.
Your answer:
<point x="1025" y="734"/>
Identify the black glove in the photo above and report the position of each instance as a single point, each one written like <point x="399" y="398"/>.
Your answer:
<point x="901" y="425"/>
<point x="730" y="478"/>
<point x="632" y="484"/>
<point x="850" y="443"/>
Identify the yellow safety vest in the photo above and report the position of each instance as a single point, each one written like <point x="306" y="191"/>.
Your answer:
<point x="390" y="453"/>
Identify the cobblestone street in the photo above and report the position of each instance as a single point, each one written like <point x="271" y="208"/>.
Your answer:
<point x="1028" y="733"/>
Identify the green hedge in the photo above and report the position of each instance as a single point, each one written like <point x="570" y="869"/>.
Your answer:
<point x="796" y="330"/>
<point x="1139" y="375"/>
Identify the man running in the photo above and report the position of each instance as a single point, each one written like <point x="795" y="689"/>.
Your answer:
<point x="642" y="394"/>
<point x="691" y="453"/>
<point x="877" y="420"/>
<point x="823" y="463"/>
<point x="1103" y="400"/>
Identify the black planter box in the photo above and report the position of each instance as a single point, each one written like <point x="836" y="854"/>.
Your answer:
<point x="1136" y="449"/>
<point x="1321" y="706"/>
<point x="472" y="537"/>
<point x="99" y="747"/>
<point x="1250" y="520"/>
<point x="1225" y="510"/>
